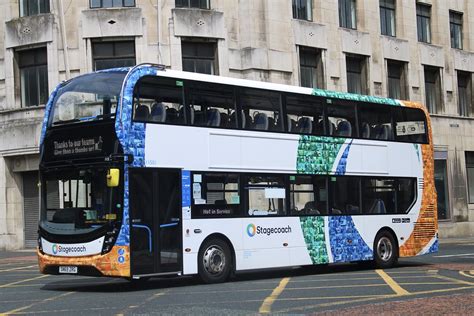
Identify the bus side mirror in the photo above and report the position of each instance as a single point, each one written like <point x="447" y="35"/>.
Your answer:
<point x="113" y="177"/>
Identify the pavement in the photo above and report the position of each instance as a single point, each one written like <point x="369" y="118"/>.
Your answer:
<point x="441" y="284"/>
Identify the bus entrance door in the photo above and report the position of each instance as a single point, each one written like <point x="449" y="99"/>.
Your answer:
<point x="155" y="208"/>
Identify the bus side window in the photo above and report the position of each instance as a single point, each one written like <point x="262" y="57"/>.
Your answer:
<point x="341" y="120"/>
<point x="261" y="109"/>
<point x="378" y="196"/>
<point x="410" y="125"/>
<point x="308" y="195"/>
<point x="305" y="115"/>
<point x="212" y="105"/>
<point x="215" y="195"/>
<point x="159" y="100"/>
<point x="265" y="195"/>
<point x="344" y="195"/>
<point x="375" y="121"/>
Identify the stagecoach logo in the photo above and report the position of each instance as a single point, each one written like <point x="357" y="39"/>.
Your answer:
<point x="253" y="230"/>
<point x="70" y="249"/>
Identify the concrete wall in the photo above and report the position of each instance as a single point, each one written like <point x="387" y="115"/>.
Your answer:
<point x="256" y="39"/>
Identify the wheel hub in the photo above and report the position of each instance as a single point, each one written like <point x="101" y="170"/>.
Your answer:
<point x="385" y="249"/>
<point x="214" y="260"/>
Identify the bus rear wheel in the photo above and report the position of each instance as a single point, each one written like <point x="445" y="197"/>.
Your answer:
<point x="214" y="261"/>
<point x="385" y="250"/>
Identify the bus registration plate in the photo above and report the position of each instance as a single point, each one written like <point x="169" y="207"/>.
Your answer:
<point x="68" y="269"/>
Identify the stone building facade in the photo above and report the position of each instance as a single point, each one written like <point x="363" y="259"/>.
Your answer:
<point x="417" y="50"/>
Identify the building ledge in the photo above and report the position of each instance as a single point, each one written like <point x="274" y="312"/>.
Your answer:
<point x="29" y="30"/>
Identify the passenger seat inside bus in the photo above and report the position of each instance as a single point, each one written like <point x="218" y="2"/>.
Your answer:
<point x="365" y="130"/>
<point x="260" y="121"/>
<point x="378" y="207"/>
<point x="158" y="112"/>
<point x="344" y="128"/>
<point x="142" y="113"/>
<point x="305" y="125"/>
<point x="213" y="117"/>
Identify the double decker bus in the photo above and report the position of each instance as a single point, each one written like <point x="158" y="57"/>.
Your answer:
<point x="148" y="172"/>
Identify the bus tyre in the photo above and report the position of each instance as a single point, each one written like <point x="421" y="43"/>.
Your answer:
<point x="385" y="250"/>
<point x="214" y="261"/>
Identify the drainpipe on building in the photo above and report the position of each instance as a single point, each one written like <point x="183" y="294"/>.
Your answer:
<point x="63" y="38"/>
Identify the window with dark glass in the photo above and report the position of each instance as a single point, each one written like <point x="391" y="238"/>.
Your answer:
<point x="378" y="196"/>
<point x="199" y="57"/>
<point x="387" y="17"/>
<point x="261" y="109"/>
<point x="470" y="175"/>
<point x="433" y="89"/>
<point x="396" y="80"/>
<point x="302" y="9"/>
<point x="423" y="22"/>
<point x="410" y="125"/>
<point x="347" y="14"/>
<point x="441" y="184"/>
<point x="305" y="115"/>
<point x="159" y="100"/>
<point x="33" y="68"/>
<point x="200" y="4"/>
<point x="265" y="195"/>
<point x="356" y="67"/>
<point x="341" y="119"/>
<point x="308" y="195"/>
<point x="464" y="93"/>
<point x="95" y="4"/>
<point x="212" y="105"/>
<point x="344" y="195"/>
<point x="215" y="194"/>
<point x="311" y="68"/>
<point x="375" y="121"/>
<point x="34" y="7"/>
<point x="455" y="28"/>
<point x="107" y="54"/>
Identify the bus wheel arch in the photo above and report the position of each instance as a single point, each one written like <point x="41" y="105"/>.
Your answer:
<point x="386" y="249"/>
<point x="218" y="249"/>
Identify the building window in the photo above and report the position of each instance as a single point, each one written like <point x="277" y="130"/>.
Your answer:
<point x="356" y="74"/>
<point x="433" y="89"/>
<point x="199" y="57"/>
<point x="302" y="10"/>
<point x="107" y="55"/>
<point x="347" y="14"/>
<point x="464" y="93"/>
<point x="33" y="76"/>
<point x="423" y="22"/>
<point x="387" y="17"/>
<point x="455" y="26"/>
<point x="396" y="80"/>
<point x="470" y="175"/>
<point x="95" y="4"/>
<point x="441" y="184"/>
<point x="311" y="68"/>
<point x="200" y="4"/>
<point x="33" y="7"/>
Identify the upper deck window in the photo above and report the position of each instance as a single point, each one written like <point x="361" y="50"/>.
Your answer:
<point x="88" y="97"/>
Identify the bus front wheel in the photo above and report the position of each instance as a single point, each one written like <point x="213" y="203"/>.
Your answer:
<point x="385" y="250"/>
<point x="214" y="261"/>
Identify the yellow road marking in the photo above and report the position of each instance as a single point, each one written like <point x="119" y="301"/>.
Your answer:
<point x="13" y="311"/>
<point x="391" y="282"/>
<point x="19" y="268"/>
<point x="442" y="277"/>
<point x="266" y="306"/>
<point x="23" y="281"/>
<point x="470" y="275"/>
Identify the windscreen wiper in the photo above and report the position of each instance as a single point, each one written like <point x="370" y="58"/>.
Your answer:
<point x="66" y="121"/>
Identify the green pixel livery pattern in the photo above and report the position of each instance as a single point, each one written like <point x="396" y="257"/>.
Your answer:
<point x="313" y="232"/>
<point x="316" y="154"/>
